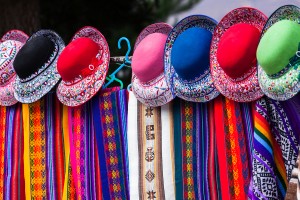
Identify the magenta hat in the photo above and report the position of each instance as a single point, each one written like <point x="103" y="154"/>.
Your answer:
<point x="16" y="35"/>
<point x="148" y="80"/>
<point x="8" y="52"/>
<point x="11" y="43"/>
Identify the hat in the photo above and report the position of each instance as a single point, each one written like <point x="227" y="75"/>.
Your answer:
<point x="8" y="51"/>
<point x="83" y="66"/>
<point x="187" y="59"/>
<point x="278" y="54"/>
<point x="148" y="80"/>
<point x="16" y="35"/>
<point x="233" y="54"/>
<point x="35" y="66"/>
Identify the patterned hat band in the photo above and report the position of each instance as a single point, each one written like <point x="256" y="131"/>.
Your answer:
<point x="294" y="62"/>
<point x="87" y="71"/>
<point x="6" y="74"/>
<point x="44" y="67"/>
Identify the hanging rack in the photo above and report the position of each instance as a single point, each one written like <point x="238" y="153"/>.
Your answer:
<point x="125" y="60"/>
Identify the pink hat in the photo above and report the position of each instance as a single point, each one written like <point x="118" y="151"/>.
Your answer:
<point x="8" y="52"/>
<point x="148" y="80"/>
<point x="16" y="35"/>
<point x="11" y="43"/>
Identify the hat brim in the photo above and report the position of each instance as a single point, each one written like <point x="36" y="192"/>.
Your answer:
<point x="34" y="89"/>
<point x="82" y="91"/>
<point x="287" y="85"/>
<point x="15" y="35"/>
<point x="7" y="97"/>
<point x="155" y="92"/>
<point x="201" y="89"/>
<point x="245" y="88"/>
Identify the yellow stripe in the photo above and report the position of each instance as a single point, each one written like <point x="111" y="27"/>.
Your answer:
<point x="25" y="111"/>
<point x="67" y="150"/>
<point x="264" y="132"/>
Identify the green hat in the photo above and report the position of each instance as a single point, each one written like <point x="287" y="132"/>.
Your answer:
<point x="278" y="54"/>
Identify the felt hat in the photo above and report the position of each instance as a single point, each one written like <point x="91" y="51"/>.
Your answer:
<point x="233" y="54"/>
<point x="8" y="52"/>
<point x="35" y="66"/>
<point x="83" y="66"/>
<point x="187" y="59"/>
<point x="148" y="80"/>
<point x="16" y="35"/>
<point x="278" y="54"/>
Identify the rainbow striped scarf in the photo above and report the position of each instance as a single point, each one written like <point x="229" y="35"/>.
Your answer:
<point x="275" y="150"/>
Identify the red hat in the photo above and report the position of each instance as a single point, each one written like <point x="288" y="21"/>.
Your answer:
<point x="82" y="65"/>
<point x="233" y="54"/>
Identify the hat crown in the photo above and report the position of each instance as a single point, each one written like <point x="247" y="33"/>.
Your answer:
<point x="190" y="53"/>
<point x="33" y="56"/>
<point x="8" y="51"/>
<point x="148" y="57"/>
<point x="236" y="52"/>
<point x="278" y="45"/>
<point x="76" y="58"/>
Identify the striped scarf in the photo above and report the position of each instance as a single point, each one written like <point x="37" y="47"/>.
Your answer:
<point x="43" y="160"/>
<point x="275" y="150"/>
<point x="11" y="165"/>
<point x="110" y="125"/>
<point x="196" y="167"/>
<point x="232" y="149"/>
<point x="82" y="151"/>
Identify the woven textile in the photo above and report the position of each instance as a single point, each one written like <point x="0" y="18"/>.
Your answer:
<point x="69" y="191"/>
<point x="13" y="177"/>
<point x="110" y="124"/>
<point x="2" y="148"/>
<point x="151" y="168"/>
<point x="43" y="160"/>
<point x="232" y="149"/>
<point x="81" y="137"/>
<point x="196" y="164"/>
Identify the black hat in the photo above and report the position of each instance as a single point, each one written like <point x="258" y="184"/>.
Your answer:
<point x="35" y="66"/>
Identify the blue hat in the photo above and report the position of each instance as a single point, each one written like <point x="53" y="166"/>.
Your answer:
<point x="187" y="63"/>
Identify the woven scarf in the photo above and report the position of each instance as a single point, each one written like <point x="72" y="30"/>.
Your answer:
<point x="151" y="168"/>
<point x="3" y="116"/>
<point x="43" y="161"/>
<point x="81" y="137"/>
<point x="232" y="149"/>
<point x="13" y="178"/>
<point x="196" y="166"/>
<point x="110" y="124"/>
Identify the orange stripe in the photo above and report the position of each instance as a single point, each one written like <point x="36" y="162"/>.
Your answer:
<point x="2" y="148"/>
<point x="59" y="164"/>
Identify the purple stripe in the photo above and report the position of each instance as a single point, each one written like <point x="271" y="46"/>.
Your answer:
<point x="199" y="168"/>
<point x="262" y="109"/>
<point x="285" y="126"/>
<point x="262" y="162"/>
